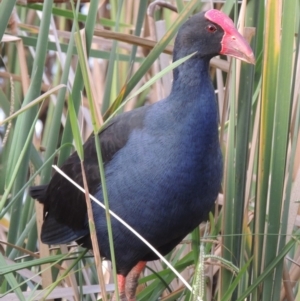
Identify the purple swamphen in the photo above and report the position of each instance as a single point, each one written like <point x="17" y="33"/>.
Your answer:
<point x="163" y="163"/>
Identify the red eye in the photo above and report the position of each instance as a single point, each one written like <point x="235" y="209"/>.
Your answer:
<point x="211" y="28"/>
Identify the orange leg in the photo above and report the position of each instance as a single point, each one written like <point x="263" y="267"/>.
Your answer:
<point x="132" y="280"/>
<point x="121" y="287"/>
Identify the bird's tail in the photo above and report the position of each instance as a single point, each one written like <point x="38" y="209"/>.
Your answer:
<point x="38" y="192"/>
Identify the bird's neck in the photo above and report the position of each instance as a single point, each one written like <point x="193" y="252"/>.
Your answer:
<point x="192" y="89"/>
<point x="193" y="101"/>
<point x="192" y="73"/>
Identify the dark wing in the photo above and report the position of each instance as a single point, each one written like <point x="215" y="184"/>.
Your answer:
<point x="64" y="202"/>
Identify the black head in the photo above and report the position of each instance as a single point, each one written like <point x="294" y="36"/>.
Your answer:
<point x="211" y="33"/>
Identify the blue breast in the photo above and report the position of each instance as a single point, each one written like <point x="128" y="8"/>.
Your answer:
<point x="168" y="172"/>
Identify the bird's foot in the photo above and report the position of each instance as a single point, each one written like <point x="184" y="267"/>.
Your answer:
<point x="127" y="285"/>
<point x="121" y="289"/>
<point x="132" y="280"/>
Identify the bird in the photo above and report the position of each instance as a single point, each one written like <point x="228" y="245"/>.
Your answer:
<point x="163" y="162"/>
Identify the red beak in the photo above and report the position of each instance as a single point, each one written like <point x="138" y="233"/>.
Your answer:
<point x="233" y="43"/>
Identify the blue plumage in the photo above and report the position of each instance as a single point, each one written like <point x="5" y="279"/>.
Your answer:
<point x="163" y="162"/>
<point x="167" y="176"/>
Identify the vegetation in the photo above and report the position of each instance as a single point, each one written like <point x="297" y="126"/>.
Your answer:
<point x="249" y="249"/>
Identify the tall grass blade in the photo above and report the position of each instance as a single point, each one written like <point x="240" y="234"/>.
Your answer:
<point x="283" y="105"/>
<point x="269" y="81"/>
<point x="10" y="278"/>
<point x="24" y="122"/>
<point x="6" y="8"/>
<point x="78" y="81"/>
